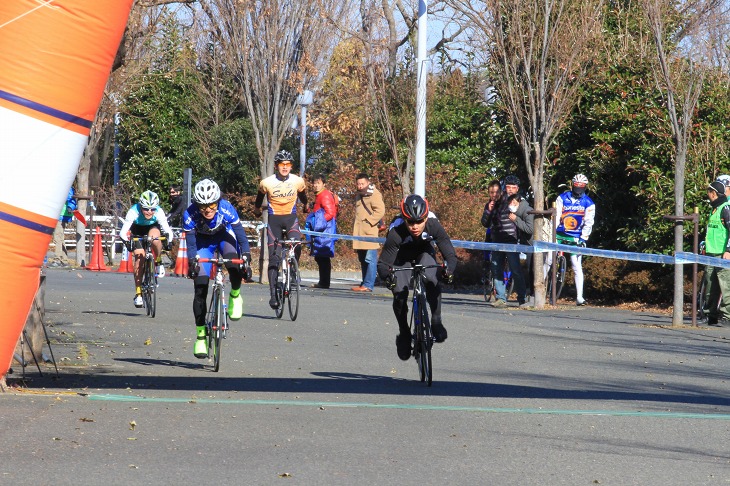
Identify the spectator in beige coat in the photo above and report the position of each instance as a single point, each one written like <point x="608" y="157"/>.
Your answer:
<point x="369" y="211"/>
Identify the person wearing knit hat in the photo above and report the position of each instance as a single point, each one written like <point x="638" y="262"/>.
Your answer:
<point x="717" y="244"/>
<point x="725" y="179"/>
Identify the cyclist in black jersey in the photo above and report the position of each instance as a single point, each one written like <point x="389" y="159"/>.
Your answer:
<point x="411" y="241"/>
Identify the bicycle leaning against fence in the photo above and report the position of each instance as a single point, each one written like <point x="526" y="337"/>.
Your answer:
<point x="216" y="319"/>
<point x="288" y="283"/>
<point x="488" y="278"/>
<point x="149" y="277"/>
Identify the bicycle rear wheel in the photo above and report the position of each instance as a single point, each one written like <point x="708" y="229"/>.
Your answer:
<point x="293" y="289"/>
<point x="488" y="283"/>
<point x="424" y="341"/>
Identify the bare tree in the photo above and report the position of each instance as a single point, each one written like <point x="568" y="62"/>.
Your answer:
<point x="130" y="61"/>
<point x="538" y="52"/>
<point x="276" y="50"/>
<point x="387" y="29"/>
<point x="682" y="59"/>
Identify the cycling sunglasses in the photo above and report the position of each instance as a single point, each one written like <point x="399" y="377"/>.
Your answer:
<point x="211" y="206"/>
<point x="415" y="221"/>
<point x="285" y="164"/>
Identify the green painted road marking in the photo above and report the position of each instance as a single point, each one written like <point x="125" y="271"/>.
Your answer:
<point x="404" y="406"/>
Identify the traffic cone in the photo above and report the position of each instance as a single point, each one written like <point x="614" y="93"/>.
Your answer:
<point x="126" y="265"/>
<point x="97" y="254"/>
<point x="181" y="262"/>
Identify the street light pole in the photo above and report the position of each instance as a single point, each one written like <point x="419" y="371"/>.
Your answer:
<point x="422" y="66"/>
<point x="303" y="100"/>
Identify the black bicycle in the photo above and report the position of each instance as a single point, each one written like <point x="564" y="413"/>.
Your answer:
<point x="216" y="319"/>
<point x="420" y="321"/>
<point x="149" y="278"/>
<point x="288" y="282"/>
<point x="490" y="291"/>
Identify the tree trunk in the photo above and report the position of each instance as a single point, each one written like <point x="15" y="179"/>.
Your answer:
<point x="82" y="189"/>
<point x="678" y="305"/>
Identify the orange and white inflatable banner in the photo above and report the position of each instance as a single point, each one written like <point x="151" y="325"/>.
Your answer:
<point x="55" y="57"/>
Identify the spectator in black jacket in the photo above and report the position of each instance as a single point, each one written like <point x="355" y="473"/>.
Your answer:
<point x="509" y="222"/>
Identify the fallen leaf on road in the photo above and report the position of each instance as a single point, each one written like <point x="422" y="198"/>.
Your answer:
<point x="132" y="425"/>
<point x="148" y="341"/>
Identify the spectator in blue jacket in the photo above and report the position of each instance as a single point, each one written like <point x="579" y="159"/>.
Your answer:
<point x="323" y="219"/>
<point x="65" y="217"/>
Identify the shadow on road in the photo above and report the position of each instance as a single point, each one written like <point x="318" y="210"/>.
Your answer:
<point x="336" y="383"/>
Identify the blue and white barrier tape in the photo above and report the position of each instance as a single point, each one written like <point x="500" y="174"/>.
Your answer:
<point x="545" y="246"/>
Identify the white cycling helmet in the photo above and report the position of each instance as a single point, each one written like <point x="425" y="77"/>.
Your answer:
<point x="206" y="192"/>
<point x="580" y="180"/>
<point x="149" y="200"/>
<point x="725" y="179"/>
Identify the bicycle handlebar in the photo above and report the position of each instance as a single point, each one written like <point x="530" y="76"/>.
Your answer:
<point x="221" y="260"/>
<point x="417" y="266"/>
<point x="148" y="238"/>
<point x="289" y="242"/>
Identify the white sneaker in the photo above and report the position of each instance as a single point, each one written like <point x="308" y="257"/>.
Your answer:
<point x="160" y="271"/>
<point x="138" y="301"/>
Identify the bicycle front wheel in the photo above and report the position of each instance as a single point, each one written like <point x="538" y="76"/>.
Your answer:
<point x="219" y="324"/>
<point x="424" y="342"/>
<point x="702" y="308"/>
<point x="149" y="284"/>
<point x="560" y="281"/>
<point x="294" y="287"/>
<point x="279" y="291"/>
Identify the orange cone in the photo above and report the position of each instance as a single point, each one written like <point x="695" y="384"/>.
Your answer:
<point x="181" y="262"/>
<point x="126" y="265"/>
<point x="97" y="254"/>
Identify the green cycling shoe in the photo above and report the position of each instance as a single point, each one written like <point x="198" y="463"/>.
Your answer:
<point x="200" y="350"/>
<point x="235" y="307"/>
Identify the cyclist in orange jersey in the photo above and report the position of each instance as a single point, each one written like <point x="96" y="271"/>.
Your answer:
<point x="282" y="189"/>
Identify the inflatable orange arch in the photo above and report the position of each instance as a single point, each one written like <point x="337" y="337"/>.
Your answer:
<point x="55" y="57"/>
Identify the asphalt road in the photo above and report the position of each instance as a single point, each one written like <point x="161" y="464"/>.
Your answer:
<point x="568" y="395"/>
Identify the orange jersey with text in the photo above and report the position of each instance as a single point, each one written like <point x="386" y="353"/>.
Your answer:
<point x="282" y="195"/>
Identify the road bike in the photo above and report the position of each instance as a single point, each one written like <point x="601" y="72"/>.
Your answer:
<point x="216" y="319"/>
<point x="420" y="322"/>
<point x="288" y="282"/>
<point x="149" y="277"/>
<point x="490" y="292"/>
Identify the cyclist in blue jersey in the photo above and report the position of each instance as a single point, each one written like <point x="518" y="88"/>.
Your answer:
<point x="576" y="213"/>
<point x="212" y="224"/>
<point x="145" y="218"/>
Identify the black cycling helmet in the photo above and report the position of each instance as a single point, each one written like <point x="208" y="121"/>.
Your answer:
<point x="414" y="208"/>
<point x="282" y="155"/>
<point x="511" y="180"/>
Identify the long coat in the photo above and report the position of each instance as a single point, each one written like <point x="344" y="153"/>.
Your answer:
<point x="366" y="220"/>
